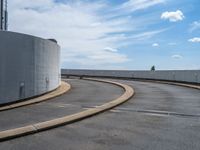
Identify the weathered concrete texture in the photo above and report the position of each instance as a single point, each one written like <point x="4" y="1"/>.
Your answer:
<point x="76" y="100"/>
<point x="67" y="119"/>
<point x="123" y="128"/>
<point x="192" y="76"/>
<point x="29" y="66"/>
<point x="62" y="89"/>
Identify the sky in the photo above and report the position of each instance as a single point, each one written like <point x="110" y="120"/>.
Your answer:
<point x="115" y="34"/>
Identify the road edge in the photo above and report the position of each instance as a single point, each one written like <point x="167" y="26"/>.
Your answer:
<point x="172" y="83"/>
<point x="37" y="127"/>
<point x="62" y="89"/>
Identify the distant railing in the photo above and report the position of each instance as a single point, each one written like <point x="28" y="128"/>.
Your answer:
<point x="188" y="76"/>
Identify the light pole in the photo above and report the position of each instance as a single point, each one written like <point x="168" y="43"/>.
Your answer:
<point x="3" y="15"/>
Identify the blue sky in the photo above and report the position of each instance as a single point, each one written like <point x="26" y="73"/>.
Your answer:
<point x="115" y="34"/>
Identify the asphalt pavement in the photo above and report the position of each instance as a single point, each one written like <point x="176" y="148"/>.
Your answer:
<point x="83" y="95"/>
<point x="158" y="117"/>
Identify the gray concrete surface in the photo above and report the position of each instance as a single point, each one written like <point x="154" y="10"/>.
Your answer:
<point x="191" y="76"/>
<point x="29" y="66"/>
<point x="82" y="95"/>
<point x="138" y="124"/>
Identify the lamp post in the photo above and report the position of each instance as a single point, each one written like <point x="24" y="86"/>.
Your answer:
<point x="3" y="15"/>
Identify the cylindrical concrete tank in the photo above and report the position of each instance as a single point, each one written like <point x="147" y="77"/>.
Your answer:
<point x="29" y="66"/>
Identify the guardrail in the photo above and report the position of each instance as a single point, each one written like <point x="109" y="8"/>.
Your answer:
<point x="187" y="76"/>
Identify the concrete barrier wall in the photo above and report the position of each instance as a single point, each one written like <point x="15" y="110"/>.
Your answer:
<point x="192" y="76"/>
<point x="29" y="66"/>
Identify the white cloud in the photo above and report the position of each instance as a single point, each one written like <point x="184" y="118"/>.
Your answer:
<point x="195" y="40"/>
<point x="177" y="56"/>
<point x="82" y="33"/>
<point x="85" y="34"/>
<point x="194" y="26"/>
<point x="110" y="49"/>
<point x="173" y="16"/>
<point x="146" y="35"/>
<point x="134" y="5"/>
<point x="155" y="44"/>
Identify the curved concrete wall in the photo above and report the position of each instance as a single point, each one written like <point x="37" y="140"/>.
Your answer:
<point x="29" y="66"/>
<point x="192" y="76"/>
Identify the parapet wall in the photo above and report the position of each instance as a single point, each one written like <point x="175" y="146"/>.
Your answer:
<point x="191" y="76"/>
<point x="29" y="66"/>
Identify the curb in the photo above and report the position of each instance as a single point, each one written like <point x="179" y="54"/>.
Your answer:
<point x="63" y="88"/>
<point x="174" y="83"/>
<point x="37" y="127"/>
<point x="181" y="84"/>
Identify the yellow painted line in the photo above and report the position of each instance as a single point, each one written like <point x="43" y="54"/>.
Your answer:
<point x="63" y="88"/>
<point x="33" y="128"/>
